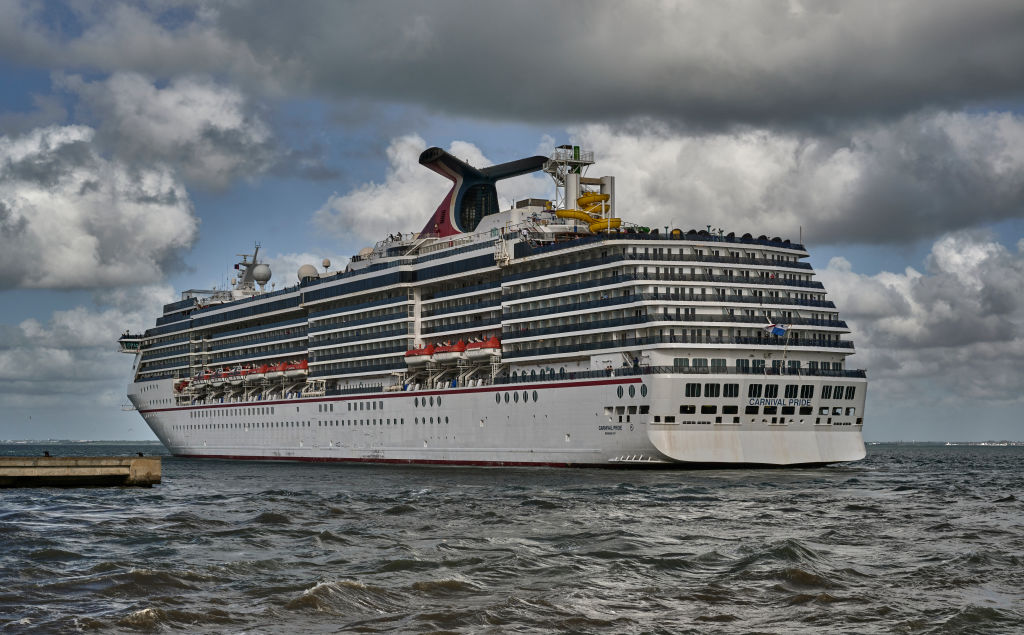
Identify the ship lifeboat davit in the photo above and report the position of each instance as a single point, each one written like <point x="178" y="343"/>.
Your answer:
<point x="237" y="376"/>
<point x="276" y="371"/>
<point x="181" y="385"/>
<point x="296" y="369"/>
<point x="419" y="356"/>
<point x="202" y="378"/>
<point x="450" y="353"/>
<point x="483" y="351"/>
<point x="256" y="374"/>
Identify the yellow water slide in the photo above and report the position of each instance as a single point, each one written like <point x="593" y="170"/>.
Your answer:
<point x="591" y="212"/>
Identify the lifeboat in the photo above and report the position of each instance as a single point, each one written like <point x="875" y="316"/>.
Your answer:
<point x="450" y="353"/>
<point x="296" y="369"/>
<point x="181" y="385"/>
<point x="419" y="356"/>
<point x="220" y="377"/>
<point x="237" y="376"/>
<point x="276" y="371"/>
<point x="482" y="351"/>
<point x="202" y="378"/>
<point x="256" y="374"/>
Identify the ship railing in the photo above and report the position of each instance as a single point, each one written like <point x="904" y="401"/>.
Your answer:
<point x="525" y="330"/>
<point x="468" y="327"/>
<point x="491" y="304"/>
<point x="570" y="349"/>
<point x="361" y="337"/>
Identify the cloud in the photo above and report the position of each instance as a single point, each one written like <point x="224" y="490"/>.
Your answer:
<point x="957" y="327"/>
<point x="914" y="178"/>
<point x="74" y="352"/>
<point x="70" y="219"/>
<point x="285" y="267"/>
<point x="410" y="193"/>
<point x="206" y="132"/>
<point x="785" y="62"/>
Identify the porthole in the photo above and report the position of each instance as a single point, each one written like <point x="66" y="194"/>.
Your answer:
<point x="439" y="402"/>
<point x="619" y="391"/>
<point x="497" y="397"/>
<point x="431" y="421"/>
<point x="526" y="397"/>
<point x="535" y="396"/>
<point x="515" y="397"/>
<point x="506" y="397"/>
<point x="446" y="419"/>
<point x="632" y="391"/>
<point x="416" y="420"/>
<point x="416" y="402"/>
<point x="643" y="390"/>
<point x="431" y="401"/>
<point x="533" y="375"/>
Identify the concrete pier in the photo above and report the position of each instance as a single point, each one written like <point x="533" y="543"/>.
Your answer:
<point x="79" y="471"/>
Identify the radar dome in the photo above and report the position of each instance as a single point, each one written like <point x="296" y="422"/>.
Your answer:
<point x="261" y="273"/>
<point x="326" y="264"/>
<point x="307" y="271"/>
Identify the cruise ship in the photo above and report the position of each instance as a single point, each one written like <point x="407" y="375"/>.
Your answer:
<point x="554" y="333"/>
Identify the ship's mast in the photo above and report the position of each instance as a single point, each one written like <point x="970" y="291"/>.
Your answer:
<point x="567" y="167"/>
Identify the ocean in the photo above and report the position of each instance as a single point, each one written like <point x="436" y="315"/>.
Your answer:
<point x="914" y="539"/>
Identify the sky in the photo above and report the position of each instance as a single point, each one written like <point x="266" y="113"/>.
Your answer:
<point x="144" y="144"/>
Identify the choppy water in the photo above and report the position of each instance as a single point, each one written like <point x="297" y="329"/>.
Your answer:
<point x="911" y="540"/>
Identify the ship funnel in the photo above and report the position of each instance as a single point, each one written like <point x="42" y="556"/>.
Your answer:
<point x="473" y="194"/>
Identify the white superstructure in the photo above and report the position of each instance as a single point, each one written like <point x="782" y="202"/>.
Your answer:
<point x="553" y="333"/>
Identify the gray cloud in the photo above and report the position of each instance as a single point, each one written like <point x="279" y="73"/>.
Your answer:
<point x="74" y="220"/>
<point x="707" y="64"/>
<point x="936" y="326"/>
<point x="917" y="177"/>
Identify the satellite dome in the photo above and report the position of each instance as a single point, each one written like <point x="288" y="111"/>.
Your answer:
<point x="261" y="273"/>
<point x="307" y="271"/>
<point x="326" y="264"/>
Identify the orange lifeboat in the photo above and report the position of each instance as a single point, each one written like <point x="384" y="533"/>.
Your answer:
<point x="481" y="351"/>
<point x="276" y="371"/>
<point x="450" y="353"/>
<point x="256" y="374"/>
<point x="296" y="369"/>
<point x="419" y="356"/>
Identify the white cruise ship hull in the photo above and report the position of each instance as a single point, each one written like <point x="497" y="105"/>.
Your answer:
<point x="556" y="423"/>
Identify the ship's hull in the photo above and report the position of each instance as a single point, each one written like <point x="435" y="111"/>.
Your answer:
<point x="633" y="421"/>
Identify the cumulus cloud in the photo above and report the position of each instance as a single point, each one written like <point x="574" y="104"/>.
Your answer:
<point x="207" y="132"/>
<point x="776" y="61"/>
<point x="70" y="218"/>
<point x="959" y="324"/>
<point x="410" y="193"/>
<point x="918" y="177"/>
<point x="74" y="351"/>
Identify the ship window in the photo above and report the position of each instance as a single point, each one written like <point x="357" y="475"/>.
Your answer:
<point x="431" y="401"/>
<point x="712" y="390"/>
<point x="730" y="410"/>
<point x="515" y="397"/>
<point x="619" y="392"/>
<point x="754" y="391"/>
<point x="693" y="390"/>
<point x="823" y="410"/>
<point x="850" y="390"/>
<point x="788" y="410"/>
<point x="806" y="410"/>
<point x="731" y="390"/>
<point x="561" y="373"/>
<point x="837" y="411"/>
<point x="791" y="391"/>
<point x="497" y="397"/>
<point x="771" y="410"/>
<point x="670" y="418"/>
<point x="657" y="418"/>
<point x="632" y="391"/>
<point x="534" y="396"/>
<point x="771" y="391"/>
<point x="681" y="362"/>
<point x="708" y="410"/>
<point x="688" y="409"/>
<point x="506" y="397"/>
<point x="645" y="409"/>
<point x="643" y="390"/>
<point x="807" y="392"/>
<point x="850" y="412"/>
<point x="826" y="393"/>
<point x="837" y="392"/>
<point x="526" y="396"/>
<point x="533" y="375"/>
